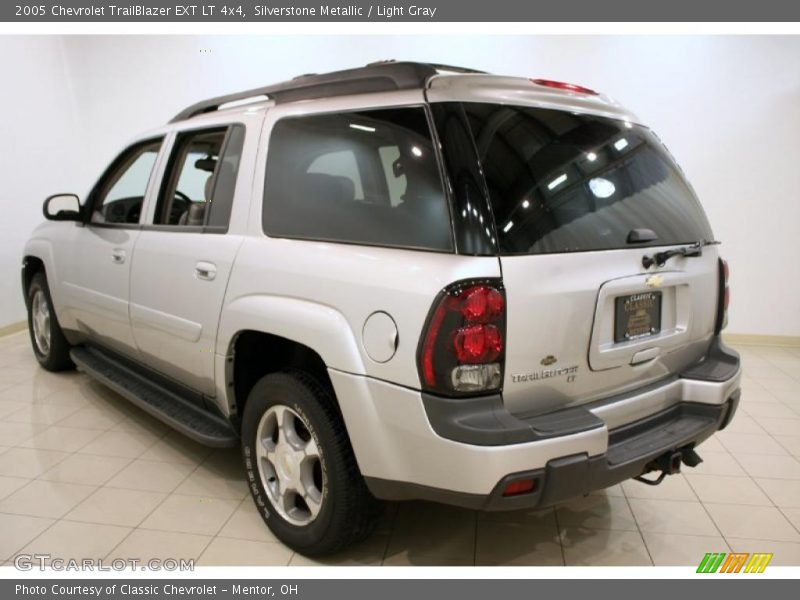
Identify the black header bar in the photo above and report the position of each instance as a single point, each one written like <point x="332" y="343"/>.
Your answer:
<point x="421" y="11"/>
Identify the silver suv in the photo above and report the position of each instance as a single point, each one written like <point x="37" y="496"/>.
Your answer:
<point x="402" y="281"/>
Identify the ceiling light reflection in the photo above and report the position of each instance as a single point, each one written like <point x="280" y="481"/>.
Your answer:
<point x="557" y="181"/>
<point x="362" y="127"/>
<point x="601" y="187"/>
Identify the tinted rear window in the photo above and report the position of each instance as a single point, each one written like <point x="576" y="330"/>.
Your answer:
<point x="561" y="182"/>
<point x="368" y="177"/>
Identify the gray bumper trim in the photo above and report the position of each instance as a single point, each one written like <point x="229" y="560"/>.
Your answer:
<point x="484" y="420"/>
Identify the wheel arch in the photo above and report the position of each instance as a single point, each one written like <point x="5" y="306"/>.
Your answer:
<point x="38" y="256"/>
<point x="264" y="334"/>
<point x="255" y="354"/>
<point x="31" y="265"/>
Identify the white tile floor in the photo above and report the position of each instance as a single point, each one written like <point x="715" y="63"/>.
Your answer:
<point x="85" y="474"/>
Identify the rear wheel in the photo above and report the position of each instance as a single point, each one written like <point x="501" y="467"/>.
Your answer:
<point x="301" y="468"/>
<point x="49" y="344"/>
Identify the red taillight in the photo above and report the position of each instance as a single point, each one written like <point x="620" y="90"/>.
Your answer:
<point x="522" y="486"/>
<point x="462" y="347"/>
<point x="428" y="347"/>
<point x="482" y="304"/>
<point x="724" y="295"/>
<point x="477" y="344"/>
<point x="568" y="87"/>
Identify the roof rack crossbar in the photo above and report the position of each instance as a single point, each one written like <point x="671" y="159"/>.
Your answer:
<point x="376" y="77"/>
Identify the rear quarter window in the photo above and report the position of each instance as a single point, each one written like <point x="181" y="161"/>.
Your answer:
<point x="368" y="177"/>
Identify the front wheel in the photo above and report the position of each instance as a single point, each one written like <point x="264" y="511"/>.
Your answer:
<point x="300" y="466"/>
<point x="49" y="344"/>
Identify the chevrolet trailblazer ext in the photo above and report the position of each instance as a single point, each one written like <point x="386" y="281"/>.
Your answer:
<point x="394" y="282"/>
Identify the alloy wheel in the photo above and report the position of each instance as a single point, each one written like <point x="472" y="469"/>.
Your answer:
<point x="40" y="318"/>
<point x="290" y="465"/>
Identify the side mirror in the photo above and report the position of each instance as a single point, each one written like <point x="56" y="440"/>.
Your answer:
<point x="62" y="207"/>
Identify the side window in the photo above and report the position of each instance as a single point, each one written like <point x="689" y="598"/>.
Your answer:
<point x="368" y="177"/>
<point x="119" y="196"/>
<point x="396" y="182"/>
<point x="200" y="179"/>
<point x="341" y="164"/>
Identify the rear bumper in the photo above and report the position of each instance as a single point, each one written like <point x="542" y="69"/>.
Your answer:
<point x="631" y="451"/>
<point x="411" y="446"/>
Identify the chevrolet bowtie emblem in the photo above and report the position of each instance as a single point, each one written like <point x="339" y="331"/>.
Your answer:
<point x="548" y="360"/>
<point x="654" y="281"/>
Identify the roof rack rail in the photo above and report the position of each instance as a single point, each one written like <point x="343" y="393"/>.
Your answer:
<point x="384" y="76"/>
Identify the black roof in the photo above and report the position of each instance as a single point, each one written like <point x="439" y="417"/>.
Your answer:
<point x="383" y="76"/>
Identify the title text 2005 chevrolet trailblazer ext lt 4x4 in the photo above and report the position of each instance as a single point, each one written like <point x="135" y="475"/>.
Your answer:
<point x="395" y="282"/>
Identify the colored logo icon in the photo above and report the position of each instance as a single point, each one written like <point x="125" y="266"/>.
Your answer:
<point x="736" y="562"/>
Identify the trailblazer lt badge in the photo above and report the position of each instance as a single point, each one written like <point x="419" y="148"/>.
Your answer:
<point x="569" y="372"/>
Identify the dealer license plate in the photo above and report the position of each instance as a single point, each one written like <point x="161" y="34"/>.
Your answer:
<point x="637" y="316"/>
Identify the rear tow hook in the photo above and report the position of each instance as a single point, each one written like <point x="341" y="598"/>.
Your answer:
<point x="669" y="463"/>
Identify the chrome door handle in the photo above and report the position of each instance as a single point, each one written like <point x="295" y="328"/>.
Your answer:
<point x="205" y="270"/>
<point x="118" y="256"/>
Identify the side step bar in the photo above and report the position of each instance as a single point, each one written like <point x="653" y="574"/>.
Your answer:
<point x="174" y="410"/>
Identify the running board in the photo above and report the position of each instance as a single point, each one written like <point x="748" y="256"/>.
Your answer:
<point x="174" y="410"/>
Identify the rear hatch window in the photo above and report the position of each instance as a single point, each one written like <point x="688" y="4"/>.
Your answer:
<point x="565" y="182"/>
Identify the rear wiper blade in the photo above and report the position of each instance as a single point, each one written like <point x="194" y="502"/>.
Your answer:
<point x="661" y="258"/>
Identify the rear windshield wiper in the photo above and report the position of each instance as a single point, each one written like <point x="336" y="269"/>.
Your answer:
<point x="661" y="258"/>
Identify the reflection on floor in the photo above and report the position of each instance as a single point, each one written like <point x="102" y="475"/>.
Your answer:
<point x="85" y="474"/>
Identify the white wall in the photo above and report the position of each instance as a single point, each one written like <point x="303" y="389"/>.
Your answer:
<point x="40" y="149"/>
<point x="727" y="107"/>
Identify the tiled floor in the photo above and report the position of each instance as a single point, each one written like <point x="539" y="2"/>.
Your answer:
<point x="85" y="474"/>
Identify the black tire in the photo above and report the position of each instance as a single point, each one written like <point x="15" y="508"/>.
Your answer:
<point x="54" y="357"/>
<point x="348" y="512"/>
